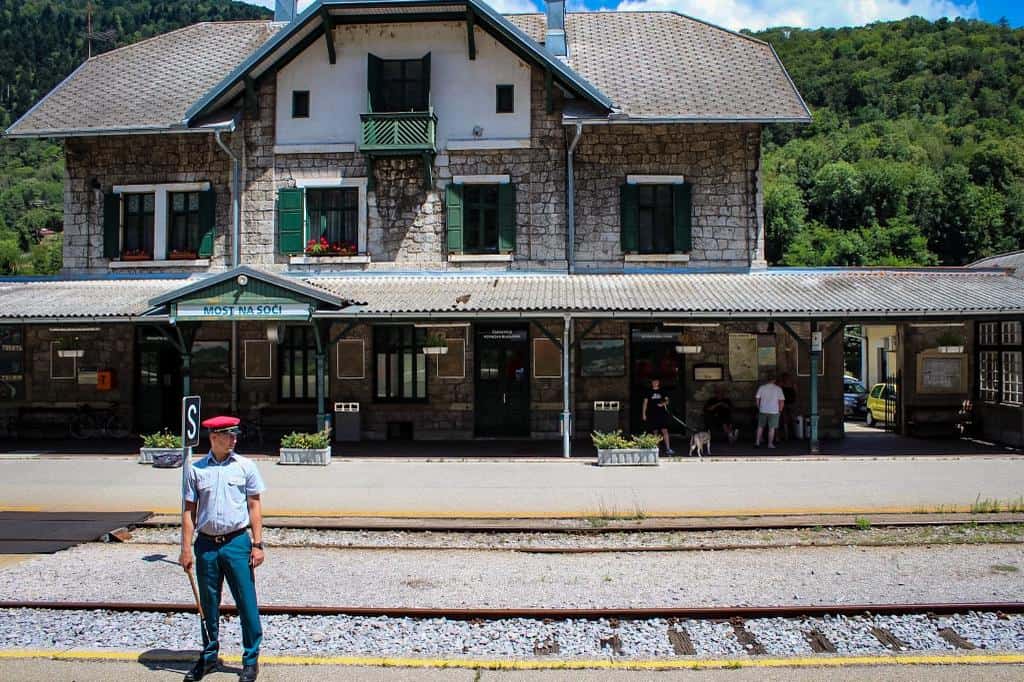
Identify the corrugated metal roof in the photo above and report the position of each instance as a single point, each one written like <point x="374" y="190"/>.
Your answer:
<point x="864" y="293"/>
<point x="1013" y="261"/>
<point x="113" y="298"/>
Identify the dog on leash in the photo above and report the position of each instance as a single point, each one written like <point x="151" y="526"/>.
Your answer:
<point x="700" y="442"/>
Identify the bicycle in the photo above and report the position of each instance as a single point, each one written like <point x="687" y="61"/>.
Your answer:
<point x="89" y="422"/>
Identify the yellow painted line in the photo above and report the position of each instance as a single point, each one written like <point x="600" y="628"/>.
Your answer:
<point x="21" y="509"/>
<point x="495" y="664"/>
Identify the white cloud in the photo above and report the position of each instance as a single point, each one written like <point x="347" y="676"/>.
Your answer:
<point x="758" y="14"/>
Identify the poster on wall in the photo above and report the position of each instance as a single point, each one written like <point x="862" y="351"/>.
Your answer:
<point x="743" y="357"/>
<point x="766" y="356"/>
<point x="602" y="357"/>
<point x="942" y="374"/>
<point x="12" y="363"/>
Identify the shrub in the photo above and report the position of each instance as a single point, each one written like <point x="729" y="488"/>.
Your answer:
<point x="161" y="439"/>
<point x="616" y="441"/>
<point x="306" y="441"/>
<point x="435" y="340"/>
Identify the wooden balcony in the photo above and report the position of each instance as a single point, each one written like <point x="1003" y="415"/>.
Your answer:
<point x="398" y="134"/>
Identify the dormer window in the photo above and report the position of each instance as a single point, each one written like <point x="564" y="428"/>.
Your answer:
<point x="398" y="85"/>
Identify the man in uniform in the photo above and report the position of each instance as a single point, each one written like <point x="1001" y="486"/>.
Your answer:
<point x="222" y="501"/>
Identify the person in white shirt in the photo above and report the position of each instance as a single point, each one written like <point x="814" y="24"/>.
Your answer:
<point x="770" y="401"/>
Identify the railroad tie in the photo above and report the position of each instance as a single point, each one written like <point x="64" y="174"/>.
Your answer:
<point x="954" y="638"/>
<point x="746" y="638"/>
<point x="888" y="640"/>
<point x="819" y="643"/>
<point x="680" y="640"/>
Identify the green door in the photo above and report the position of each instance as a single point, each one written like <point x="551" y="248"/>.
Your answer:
<point x="158" y="402"/>
<point x="502" y="381"/>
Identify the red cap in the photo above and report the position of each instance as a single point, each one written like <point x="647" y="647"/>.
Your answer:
<point x="222" y="424"/>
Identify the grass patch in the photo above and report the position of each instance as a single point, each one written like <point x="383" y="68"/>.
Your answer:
<point x="990" y="506"/>
<point x="863" y="523"/>
<point x="1005" y="568"/>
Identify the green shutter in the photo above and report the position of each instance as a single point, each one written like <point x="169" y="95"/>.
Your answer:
<point x="453" y="201"/>
<point x="207" y="222"/>
<point x="507" y="218"/>
<point x="683" y="217"/>
<point x="426" y="81"/>
<point x="373" y="81"/>
<point x="290" y="221"/>
<point x="111" y="225"/>
<point x="630" y="219"/>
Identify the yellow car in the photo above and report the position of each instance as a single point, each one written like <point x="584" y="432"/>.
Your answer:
<point x="881" y="404"/>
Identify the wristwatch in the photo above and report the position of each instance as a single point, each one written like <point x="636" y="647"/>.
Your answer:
<point x="258" y="545"/>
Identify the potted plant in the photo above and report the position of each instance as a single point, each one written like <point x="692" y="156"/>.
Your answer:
<point x="183" y="254"/>
<point x="614" y="449"/>
<point x="136" y="254"/>
<point x="161" y="449"/>
<point x="435" y="344"/>
<point x="306" y="448"/>
<point x="950" y="342"/>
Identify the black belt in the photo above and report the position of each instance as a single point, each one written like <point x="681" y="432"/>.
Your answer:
<point x="221" y="539"/>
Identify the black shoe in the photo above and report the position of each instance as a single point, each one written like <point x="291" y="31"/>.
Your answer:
<point x="200" y="670"/>
<point x="249" y="673"/>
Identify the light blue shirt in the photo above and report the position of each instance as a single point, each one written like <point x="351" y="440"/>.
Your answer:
<point x="222" y="489"/>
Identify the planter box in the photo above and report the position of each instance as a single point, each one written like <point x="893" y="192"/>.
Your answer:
<point x="161" y="458"/>
<point x="435" y="350"/>
<point x="70" y="353"/>
<point x="627" y="457"/>
<point x="303" y="456"/>
<point x="953" y="350"/>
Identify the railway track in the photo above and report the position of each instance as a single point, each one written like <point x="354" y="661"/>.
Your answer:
<point x="861" y="629"/>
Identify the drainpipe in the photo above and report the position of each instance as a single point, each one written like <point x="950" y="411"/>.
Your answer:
<point x="570" y="252"/>
<point x="236" y="237"/>
<point x="566" y="404"/>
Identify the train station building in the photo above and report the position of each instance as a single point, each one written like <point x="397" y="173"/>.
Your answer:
<point x="490" y="229"/>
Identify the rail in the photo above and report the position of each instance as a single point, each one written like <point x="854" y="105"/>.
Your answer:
<point x="400" y="132"/>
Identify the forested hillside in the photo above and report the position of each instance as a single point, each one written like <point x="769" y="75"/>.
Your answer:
<point x="41" y="42"/>
<point x="916" y="154"/>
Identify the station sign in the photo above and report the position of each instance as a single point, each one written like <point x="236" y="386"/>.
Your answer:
<point x="191" y="405"/>
<point x="507" y="335"/>
<point x="243" y="311"/>
<point x="655" y="336"/>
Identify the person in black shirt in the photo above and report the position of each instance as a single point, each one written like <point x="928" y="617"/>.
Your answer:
<point x="655" y="414"/>
<point x="718" y="415"/>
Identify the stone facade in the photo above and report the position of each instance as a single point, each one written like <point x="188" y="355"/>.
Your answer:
<point x="94" y="165"/>
<point x="406" y="221"/>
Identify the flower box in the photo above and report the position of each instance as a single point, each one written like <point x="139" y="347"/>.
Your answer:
<point x="136" y="256"/>
<point x="70" y="353"/>
<point x="435" y="350"/>
<point x="955" y="350"/>
<point x="320" y="457"/>
<point x="628" y="457"/>
<point x="182" y="255"/>
<point x="161" y="458"/>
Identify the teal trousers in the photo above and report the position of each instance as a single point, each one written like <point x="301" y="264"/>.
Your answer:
<point x="230" y="561"/>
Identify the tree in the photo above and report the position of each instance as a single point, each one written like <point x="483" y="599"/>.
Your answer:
<point x="48" y="255"/>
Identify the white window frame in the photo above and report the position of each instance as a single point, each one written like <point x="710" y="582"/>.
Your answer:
<point x="338" y="183"/>
<point x="161" y="209"/>
<point x="1012" y="384"/>
<point x="655" y="180"/>
<point x="988" y="377"/>
<point x="988" y="334"/>
<point x="503" y="179"/>
<point x="1010" y="333"/>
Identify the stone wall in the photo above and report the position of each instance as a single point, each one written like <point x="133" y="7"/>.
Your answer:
<point x="94" y="165"/>
<point x="722" y="162"/>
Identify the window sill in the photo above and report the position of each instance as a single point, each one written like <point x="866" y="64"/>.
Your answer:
<point x="657" y="258"/>
<point x="481" y="258"/>
<point x="318" y="260"/>
<point x="130" y="264"/>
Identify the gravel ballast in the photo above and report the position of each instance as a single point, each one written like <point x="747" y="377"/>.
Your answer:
<point x="505" y="579"/>
<point x="506" y="639"/>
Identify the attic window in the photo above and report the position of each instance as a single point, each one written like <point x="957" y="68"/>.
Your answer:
<point x="300" y="103"/>
<point x="505" y="101"/>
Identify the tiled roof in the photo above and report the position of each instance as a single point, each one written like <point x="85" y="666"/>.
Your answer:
<point x="663" y="64"/>
<point x="822" y="293"/>
<point x="649" y="64"/>
<point x="55" y="299"/>
<point x="147" y="85"/>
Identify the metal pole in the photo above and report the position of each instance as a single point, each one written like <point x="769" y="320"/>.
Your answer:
<point x="570" y="191"/>
<point x="566" y="404"/>
<point x="321" y="408"/>
<point x="815" y="356"/>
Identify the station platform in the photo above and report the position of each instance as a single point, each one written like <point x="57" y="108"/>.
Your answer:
<point x="555" y="488"/>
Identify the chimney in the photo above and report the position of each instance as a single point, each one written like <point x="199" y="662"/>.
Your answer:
<point x="555" y="40"/>
<point x="286" y="10"/>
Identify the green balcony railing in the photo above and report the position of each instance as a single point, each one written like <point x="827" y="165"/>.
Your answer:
<point x="398" y="133"/>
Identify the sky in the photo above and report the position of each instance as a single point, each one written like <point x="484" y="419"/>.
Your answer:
<point x="758" y="14"/>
